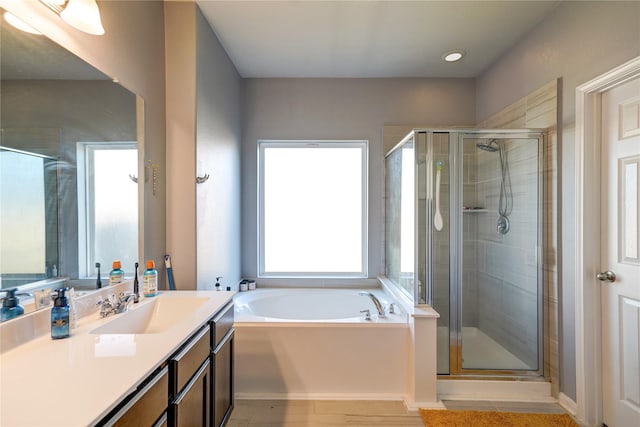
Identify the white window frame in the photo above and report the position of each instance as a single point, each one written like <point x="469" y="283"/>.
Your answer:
<point x="364" y="146"/>
<point x="86" y="217"/>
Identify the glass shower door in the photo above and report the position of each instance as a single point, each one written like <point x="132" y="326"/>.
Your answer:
<point x="500" y="273"/>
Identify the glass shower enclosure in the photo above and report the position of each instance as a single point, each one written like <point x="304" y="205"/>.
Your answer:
<point x="464" y="234"/>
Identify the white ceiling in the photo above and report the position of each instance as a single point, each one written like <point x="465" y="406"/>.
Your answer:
<point x="368" y="38"/>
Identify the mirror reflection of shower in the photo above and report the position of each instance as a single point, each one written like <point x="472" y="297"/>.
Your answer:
<point x="505" y="203"/>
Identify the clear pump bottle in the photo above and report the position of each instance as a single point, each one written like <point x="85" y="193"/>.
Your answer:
<point x="60" y="316"/>
<point x="10" y="306"/>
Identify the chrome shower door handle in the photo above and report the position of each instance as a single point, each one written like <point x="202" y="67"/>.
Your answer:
<point x="606" y="276"/>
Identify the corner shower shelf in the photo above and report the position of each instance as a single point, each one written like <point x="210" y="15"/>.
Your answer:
<point x="474" y="210"/>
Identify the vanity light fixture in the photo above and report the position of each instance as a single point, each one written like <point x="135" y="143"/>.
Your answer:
<point x="83" y="15"/>
<point x="453" y="56"/>
<point x="18" y="23"/>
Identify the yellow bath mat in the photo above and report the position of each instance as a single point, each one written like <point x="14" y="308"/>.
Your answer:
<point x="455" y="418"/>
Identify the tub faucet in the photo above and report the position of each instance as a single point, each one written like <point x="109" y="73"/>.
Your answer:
<point x="376" y="302"/>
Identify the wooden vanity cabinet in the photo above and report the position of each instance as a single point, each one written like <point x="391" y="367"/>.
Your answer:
<point x="193" y="388"/>
<point x="190" y="383"/>
<point x="163" y="421"/>
<point x="147" y="406"/>
<point x="222" y="334"/>
<point x="222" y="393"/>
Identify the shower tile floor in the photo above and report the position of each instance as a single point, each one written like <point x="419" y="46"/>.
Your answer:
<point x="321" y="413"/>
<point x="479" y="351"/>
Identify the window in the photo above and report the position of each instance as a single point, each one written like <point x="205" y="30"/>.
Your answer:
<point x="313" y="208"/>
<point x="107" y="206"/>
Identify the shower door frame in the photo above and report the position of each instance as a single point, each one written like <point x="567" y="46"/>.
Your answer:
<point x="424" y="180"/>
<point x="424" y="254"/>
<point x="456" y="141"/>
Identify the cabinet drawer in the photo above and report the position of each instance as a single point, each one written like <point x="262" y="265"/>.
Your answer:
<point x="191" y="407"/>
<point x="184" y="365"/>
<point x="221" y="324"/>
<point x="147" y="406"/>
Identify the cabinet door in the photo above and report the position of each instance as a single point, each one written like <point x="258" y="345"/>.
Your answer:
<point x="222" y="387"/>
<point x="221" y="324"/>
<point x="191" y="406"/>
<point x="162" y="422"/>
<point x="184" y="364"/>
<point x="147" y="406"/>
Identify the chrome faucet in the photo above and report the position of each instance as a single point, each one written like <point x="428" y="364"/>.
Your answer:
<point x="376" y="302"/>
<point x="111" y="305"/>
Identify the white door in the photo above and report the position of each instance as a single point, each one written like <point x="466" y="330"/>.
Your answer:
<point x="620" y="254"/>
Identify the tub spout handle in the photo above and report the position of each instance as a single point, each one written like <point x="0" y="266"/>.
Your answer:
<point x="367" y="314"/>
<point x="392" y="309"/>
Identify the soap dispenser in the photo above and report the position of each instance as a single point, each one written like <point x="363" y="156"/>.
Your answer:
<point x="10" y="306"/>
<point x="60" y="315"/>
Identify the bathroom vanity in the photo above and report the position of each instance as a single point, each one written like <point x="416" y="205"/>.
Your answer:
<point x="166" y="362"/>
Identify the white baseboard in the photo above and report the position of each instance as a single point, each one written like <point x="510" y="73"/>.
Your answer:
<point x="414" y="406"/>
<point x="567" y="403"/>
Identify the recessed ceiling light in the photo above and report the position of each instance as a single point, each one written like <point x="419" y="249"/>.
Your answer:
<point x="453" y="56"/>
<point x="20" y="24"/>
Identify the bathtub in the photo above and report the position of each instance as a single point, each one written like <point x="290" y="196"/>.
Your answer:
<point x="295" y="343"/>
<point x="293" y="305"/>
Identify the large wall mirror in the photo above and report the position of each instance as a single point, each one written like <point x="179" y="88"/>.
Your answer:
<point x="69" y="192"/>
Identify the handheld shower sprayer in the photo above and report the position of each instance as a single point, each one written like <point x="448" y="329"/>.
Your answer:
<point x="438" y="223"/>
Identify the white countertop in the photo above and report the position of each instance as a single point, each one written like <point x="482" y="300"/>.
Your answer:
<point x="76" y="381"/>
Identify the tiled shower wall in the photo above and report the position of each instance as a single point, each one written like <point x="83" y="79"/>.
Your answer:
<point x="539" y="110"/>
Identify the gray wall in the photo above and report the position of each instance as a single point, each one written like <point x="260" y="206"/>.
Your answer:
<point x="203" y="137"/>
<point x="342" y="109"/>
<point x="218" y="133"/>
<point x="577" y="42"/>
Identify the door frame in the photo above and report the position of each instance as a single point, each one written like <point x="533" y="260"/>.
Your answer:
<point x="587" y="240"/>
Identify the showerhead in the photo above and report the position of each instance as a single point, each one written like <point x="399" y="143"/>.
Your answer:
<point x="491" y="146"/>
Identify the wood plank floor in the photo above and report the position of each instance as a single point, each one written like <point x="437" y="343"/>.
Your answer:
<point x="321" y="413"/>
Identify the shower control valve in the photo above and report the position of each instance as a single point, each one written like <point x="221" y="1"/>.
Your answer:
<point x="367" y="314"/>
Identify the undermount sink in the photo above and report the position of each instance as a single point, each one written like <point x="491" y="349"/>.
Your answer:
<point x="152" y="317"/>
